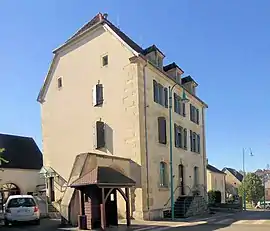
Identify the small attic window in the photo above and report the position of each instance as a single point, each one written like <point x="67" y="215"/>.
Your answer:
<point x="59" y="82"/>
<point x="105" y="60"/>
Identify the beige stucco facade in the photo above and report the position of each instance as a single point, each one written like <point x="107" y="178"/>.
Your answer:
<point x="68" y="117"/>
<point x="26" y="180"/>
<point x="216" y="182"/>
<point x="231" y="183"/>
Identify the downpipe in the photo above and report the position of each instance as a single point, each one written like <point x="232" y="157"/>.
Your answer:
<point x="146" y="140"/>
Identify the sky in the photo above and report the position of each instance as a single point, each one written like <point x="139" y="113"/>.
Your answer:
<point x="224" y="45"/>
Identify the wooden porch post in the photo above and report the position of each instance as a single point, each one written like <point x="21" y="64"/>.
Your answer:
<point x="82" y="208"/>
<point x="127" y="206"/>
<point x="102" y="210"/>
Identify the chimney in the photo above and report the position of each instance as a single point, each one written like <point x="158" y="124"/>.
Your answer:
<point x="105" y="15"/>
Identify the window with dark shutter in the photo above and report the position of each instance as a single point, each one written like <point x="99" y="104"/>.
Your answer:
<point x="194" y="143"/>
<point x="184" y="109"/>
<point x="180" y="137"/>
<point x="175" y="102"/>
<point x="100" y="134"/>
<point x="162" y="137"/>
<point x="185" y="138"/>
<point x="191" y="141"/>
<point x="191" y="112"/>
<point x="99" y="94"/>
<point x="166" y="97"/>
<point x="160" y="94"/>
<point x="197" y="116"/>
<point x="176" y="141"/>
<point x="198" y="143"/>
<point x="155" y="90"/>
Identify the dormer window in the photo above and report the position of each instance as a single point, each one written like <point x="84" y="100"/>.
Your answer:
<point x="174" y="71"/>
<point x="154" y="55"/>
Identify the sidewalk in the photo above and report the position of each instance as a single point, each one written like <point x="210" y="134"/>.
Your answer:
<point x="178" y="221"/>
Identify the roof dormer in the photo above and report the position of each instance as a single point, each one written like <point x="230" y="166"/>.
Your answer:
<point x="189" y="83"/>
<point x="174" y="71"/>
<point x="154" y="55"/>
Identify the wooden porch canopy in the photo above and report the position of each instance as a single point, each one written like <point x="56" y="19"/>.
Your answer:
<point x="109" y="181"/>
<point x="104" y="177"/>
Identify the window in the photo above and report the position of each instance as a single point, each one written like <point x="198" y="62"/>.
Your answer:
<point x="155" y="91"/>
<point x="59" y="82"/>
<point x="160" y="94"/>
<point x="105" y="60"/>
<point x="178" y="136"/>
<point x="194" y="114"/>
<point x="195" y="142"/>
<point x="198" y="144"/>
<point x="100" y="134"/>
<point x="179" y="106"/>
<point x="163" y="174"/>
<point x="185" y="138"/>
<point x="196" y="176"/>
<point x="166" y="97"/>
<point x="98" y="95"/>
<point x="162" y="137"/>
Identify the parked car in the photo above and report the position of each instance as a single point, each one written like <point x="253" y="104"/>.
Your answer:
<point x="21" y="208"/>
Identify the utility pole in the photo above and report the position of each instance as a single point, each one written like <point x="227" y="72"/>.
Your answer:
<point x="244" y="172"/>
<point x="265" y="178"/>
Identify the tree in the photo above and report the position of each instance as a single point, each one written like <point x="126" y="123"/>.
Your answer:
<point x="2" y="159"/>
<point x="253" y="186"/>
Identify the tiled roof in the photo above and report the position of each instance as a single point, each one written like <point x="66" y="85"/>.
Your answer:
<point x="21" y="152"/>
<point x="214" y="169"/>
<point x="234" y="172"/>
<point x="103" y="176"/>
<point x="171" y="66"/>
<point x="188" y="79"/>
<point x="99" y="18"/>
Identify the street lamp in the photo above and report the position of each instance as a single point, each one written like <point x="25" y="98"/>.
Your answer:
<point x="184" y="99"/>
<point x="251" y="154"/>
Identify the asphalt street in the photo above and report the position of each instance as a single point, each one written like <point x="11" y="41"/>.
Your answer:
<point x="244" y="221"/>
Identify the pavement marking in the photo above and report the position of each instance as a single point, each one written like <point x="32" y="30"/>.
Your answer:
<point x="259" y="222"/>
<point x="145" y="228"/>
<point x="225" y="221"/>
<point x="239" y="222"/>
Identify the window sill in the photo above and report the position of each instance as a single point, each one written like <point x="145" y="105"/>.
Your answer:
<point x="163" y="188"/>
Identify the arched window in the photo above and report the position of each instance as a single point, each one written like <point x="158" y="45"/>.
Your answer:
<point x="163" y="174"/>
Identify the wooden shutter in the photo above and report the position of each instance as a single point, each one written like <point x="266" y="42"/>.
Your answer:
<point x="94" y="95"/>
<point x="175" y="102"/>
<point x="191" y="141"/>
<point x="176" y="140"/>
<point x="191" y="112"/>
<point x="166" y="97"/>
<point x="184" y="109"/>
<point x="155" y="91"/>
<point x="185" y="138"/>
<point x="180" y="135"/>
<point x="197" y="116"/>
<point x="162" y="137"/>
<point x="198" y="143"/>
<point x="100" y="134"/>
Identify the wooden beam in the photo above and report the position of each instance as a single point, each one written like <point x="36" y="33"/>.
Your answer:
<point x="127" y="206"/>
<point x="82" y="206"/>
<point x="103" y="210"/>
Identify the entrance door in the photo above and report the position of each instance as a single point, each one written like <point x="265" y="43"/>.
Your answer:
<point x="181" y="179"/>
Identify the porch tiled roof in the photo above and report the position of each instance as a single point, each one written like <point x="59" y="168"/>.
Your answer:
<point x="103" y="176"/>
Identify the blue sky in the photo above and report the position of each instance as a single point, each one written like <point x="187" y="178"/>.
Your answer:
<point x="224" y="45"/>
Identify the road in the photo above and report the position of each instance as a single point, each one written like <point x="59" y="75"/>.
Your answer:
<point x="245" y="221"/>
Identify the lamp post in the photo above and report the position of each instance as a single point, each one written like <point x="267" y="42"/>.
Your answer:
<point x="184" y="99"/>
<point x="251" y="154"/>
